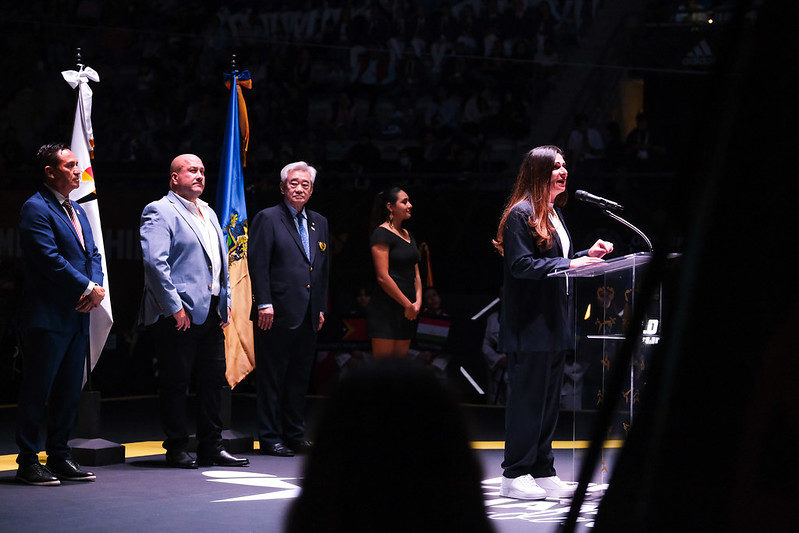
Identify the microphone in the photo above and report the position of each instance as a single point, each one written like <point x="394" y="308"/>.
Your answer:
<point x="597" y="200"/>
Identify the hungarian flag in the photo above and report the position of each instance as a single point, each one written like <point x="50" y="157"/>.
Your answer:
<point x="232" y="212"/>
<point x="433" y="330"/>
<point x="82" y="145"/>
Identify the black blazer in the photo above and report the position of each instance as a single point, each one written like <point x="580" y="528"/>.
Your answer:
<point x="280" y="273"/>
<point x="537" y="314"/>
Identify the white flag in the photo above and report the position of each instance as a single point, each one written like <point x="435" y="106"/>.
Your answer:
<point x="82" y="145"/>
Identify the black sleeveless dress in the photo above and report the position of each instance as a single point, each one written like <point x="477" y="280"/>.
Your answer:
<point x="385" y="318"/>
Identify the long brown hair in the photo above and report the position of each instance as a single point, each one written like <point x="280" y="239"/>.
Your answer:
<point x="532" y="185"/>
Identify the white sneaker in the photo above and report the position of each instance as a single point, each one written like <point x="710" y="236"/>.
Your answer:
<point x="522" y="488"/>
<point x="556" y="487"/>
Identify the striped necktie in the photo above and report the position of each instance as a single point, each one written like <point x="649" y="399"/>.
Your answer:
<point x="75" y="224"/>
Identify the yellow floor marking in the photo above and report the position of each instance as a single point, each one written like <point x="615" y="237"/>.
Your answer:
<point x="556" y="444"/>
<point x="153" y="447"/>
<point x="133" y="449"/>
<point x="583" y="444"/>
<point x="143" y="449"/>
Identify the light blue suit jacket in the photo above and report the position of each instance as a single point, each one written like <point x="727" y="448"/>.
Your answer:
<point x="177" y="265"/>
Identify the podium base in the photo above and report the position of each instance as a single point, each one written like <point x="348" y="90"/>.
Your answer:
<point x="233" y="441"/>
<point x="236" y="441"/>
<point x="96" y="452"/>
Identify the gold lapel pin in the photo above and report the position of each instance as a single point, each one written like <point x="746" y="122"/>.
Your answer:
<point x="322" y="246"/>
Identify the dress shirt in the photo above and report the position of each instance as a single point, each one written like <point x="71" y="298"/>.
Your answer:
<point x="60" y="198"/>
<point x="564" y="237"/>
<point x="201" y="213"/>
<point x="304" y="219"/>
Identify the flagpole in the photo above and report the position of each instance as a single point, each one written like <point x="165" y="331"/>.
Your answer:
<point x="237" y="347"/>
<point x="94" y="425"/>
<point x="227" y="393"/>
<point x="88" y="448"/>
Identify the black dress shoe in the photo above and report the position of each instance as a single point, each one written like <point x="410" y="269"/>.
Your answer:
<point x="180" y="460"/>
<point x="67" y="470"/>
<point x="300" y="446"/>
<point x="36" y="474"/>
<point x="221" y="458"/>
<point x="279" y="449"/>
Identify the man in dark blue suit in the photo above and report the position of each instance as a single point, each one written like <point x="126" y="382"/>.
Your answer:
<point x="63" y="282"/>
<point x="289" y="267"/>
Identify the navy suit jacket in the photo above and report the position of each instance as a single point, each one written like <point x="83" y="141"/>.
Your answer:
<point x="537" y="314"/>
<point x="57" y="268"/>
<point x="280" y="272"/>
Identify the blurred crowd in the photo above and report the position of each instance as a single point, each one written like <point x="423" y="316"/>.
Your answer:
<point x="352" y="85"/>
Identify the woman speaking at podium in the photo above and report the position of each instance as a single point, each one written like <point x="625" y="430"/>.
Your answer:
<point x="536" y="321"/>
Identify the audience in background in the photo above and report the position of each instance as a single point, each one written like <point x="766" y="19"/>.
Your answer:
<point x="496" y="363"/>
<point x="462" y="118"/>
<point x="642" y="152"/>
<point x="585" y="146"/>
<point x="344" y="70"/>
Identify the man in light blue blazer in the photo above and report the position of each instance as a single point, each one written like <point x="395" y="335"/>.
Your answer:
<point x="63" y="283"/>
<point x="186" y="304"/>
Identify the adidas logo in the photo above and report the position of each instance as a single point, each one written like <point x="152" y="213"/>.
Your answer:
<point x="700" y="55"/>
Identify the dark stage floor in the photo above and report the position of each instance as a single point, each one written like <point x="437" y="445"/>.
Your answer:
<point x="143" y="495"/>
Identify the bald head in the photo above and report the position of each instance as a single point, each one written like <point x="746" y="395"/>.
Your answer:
<point x="187" y="176"/>
<point x="182" y="160"/>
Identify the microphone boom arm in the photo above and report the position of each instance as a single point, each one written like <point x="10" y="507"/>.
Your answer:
<point x="640" y="233"/>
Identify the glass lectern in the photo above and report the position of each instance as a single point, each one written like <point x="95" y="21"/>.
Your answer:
<point x="604" y="295"/>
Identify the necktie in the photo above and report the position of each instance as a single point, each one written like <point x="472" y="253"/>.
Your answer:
<point x="72" y="218"/>
<point x="304" y="236"/>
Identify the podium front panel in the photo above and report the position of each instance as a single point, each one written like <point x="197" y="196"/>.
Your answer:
<point x="603" y="307"/>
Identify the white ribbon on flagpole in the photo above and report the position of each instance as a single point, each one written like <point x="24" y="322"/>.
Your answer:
<point x="81" y="79"/>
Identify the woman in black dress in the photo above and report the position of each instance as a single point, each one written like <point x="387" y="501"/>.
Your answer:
<point x="391" y="315"/>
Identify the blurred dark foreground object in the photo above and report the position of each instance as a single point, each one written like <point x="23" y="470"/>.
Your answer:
<point x="391" y="454"/>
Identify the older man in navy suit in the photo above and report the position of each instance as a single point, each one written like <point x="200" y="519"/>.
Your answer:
<point x="186" y="303"/>
<point x="289" y="267"/>
<point x="63" y="282"/>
